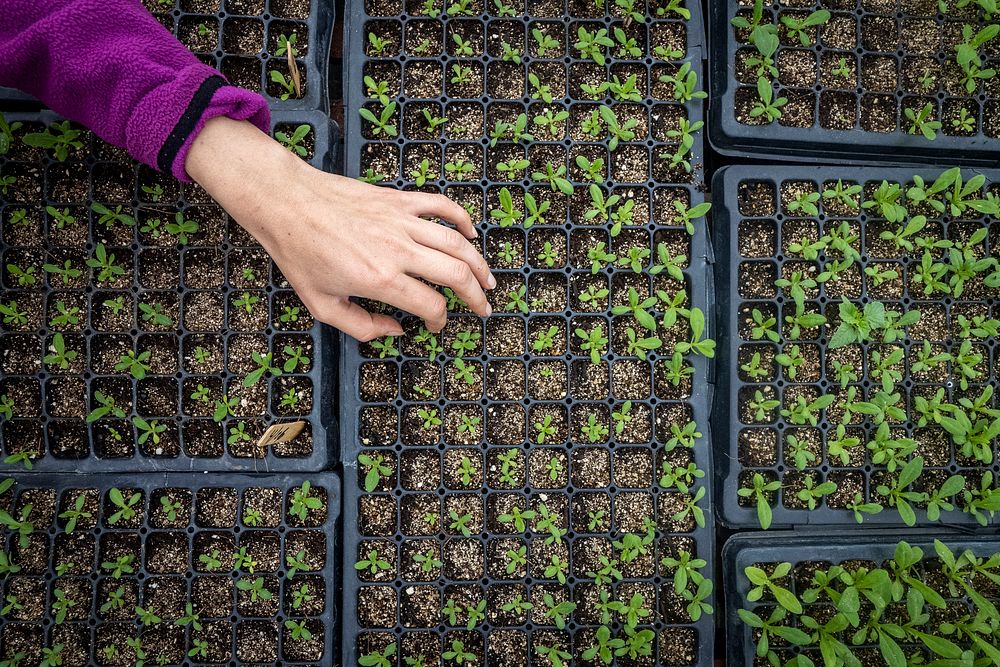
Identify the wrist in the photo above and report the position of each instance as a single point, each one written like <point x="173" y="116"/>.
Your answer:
<point x="242" y="168"/>
<point x="226" y="151"/>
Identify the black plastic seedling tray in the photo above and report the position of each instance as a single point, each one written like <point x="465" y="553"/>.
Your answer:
<point x="742" y="186"/>
<point x="210" y="519"/>
<point x="56" y="434"/>
<point x="819" y="143"/>
<point x="500" y="641"/>
<point x="12" y="96"/>
<point x="249" y="64"/>
<point x="747" y="549"/>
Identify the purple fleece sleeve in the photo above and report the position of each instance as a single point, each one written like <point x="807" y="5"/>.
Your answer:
<point x="109" y="65"/>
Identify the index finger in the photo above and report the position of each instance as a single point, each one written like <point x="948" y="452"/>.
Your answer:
<point x="452" y="243"/>
<point x="437" y="205"/>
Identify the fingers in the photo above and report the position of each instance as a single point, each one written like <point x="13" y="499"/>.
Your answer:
<point x="442" y="269"/>
<point x="439" y="206"/>
<point x="418" y="299"/>
<point x="355" y="321"/>
<point x="452" y="243"/>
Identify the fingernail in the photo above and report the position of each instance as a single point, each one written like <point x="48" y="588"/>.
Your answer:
<point x="491" y="281"/>
<point x="489" y="309"/>
<point x="395" y="332"/>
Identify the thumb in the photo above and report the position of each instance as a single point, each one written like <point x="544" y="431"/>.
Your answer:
<point x="355" y="321"/>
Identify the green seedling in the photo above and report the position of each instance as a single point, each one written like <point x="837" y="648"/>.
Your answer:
<point x="686" y="216"/>
<point x="293" y="141"/>
<point x="543" y="43"/>
<point x="639" y="309"/>
<point x="75" y="513"/>
<point x="386" y="347"/>
<point x="767" y="105"/>
<point x="591" y="44"/>
<point x="120" y="566"/>
<point x="682" y="436"/>
<point x="460" y="8"/>
<point x="211" y="562"/>
<point x="811" y="493"/>
<point x="378" y="90"/>
<point x="148" y="430"/>
<point x="762" y="407"/>
<point x="843" y="70"/>
<point x="510" y="54"/>
<point x="619" y="131"/>
<point x="25" y="277"/>
<point x="66" y="316"/>
<point x="20" y="526"/>
<point x="845" y="195"/>
<point x="265" y="365"/>
<point x="377" y="658"/>
<point x="375" y="469"/>
<point x="59" y="138"/>
<point x="296" y="563"/>
<point x="381" y="124"/>
<point x="67" y="273"/>
<point x="7" y="131"/>
<point x="125" y="505"/>
<point x="759" y="491"/>
<point x="969" y="59"/>
<point x="886" y="200"/>
<point x="680" y="478"/>
<point x="516" y="300"/>
<point x="965" y="123"/>
<point x="921" y="121"/>
<point x="461" y="74"/>
<point x="594" y="342"/>
<point x="685" y="84"/>
<point x="628" y="90"/>
<point x="555" y="178"/>
<point x="557" y="612"/>
<point x="460" y="523"/>
<point x="287" y="45"/>
<point x="302" y="502"/>
<point x="798" y="28"/>
<point x="513" y="169"/>
<point x="552" y="122"/>
<point x="805" y="203"/>
<point x="507" y="215"/>
<point x="753" y="368"/>
<point x="109" y="217"/>
<point x="697" y="344"/>
<point x="59" y="357"/>
<point x="544" y="429"/>
<point x="543" y="92"/>
<point x="255" y="588"/>
<point x="463" y="48"/>
<point x="22" y="457"/>
<point x="639" y="346"/>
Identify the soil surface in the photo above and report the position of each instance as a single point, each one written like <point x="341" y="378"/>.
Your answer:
<point x="494" y="454"/>
<point x="862" y="69"/>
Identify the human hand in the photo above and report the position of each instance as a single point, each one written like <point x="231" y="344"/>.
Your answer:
<point x="335" y="237"/>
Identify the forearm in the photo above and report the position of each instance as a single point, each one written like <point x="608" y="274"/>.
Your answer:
<point x="244" y="170"/>
<point x="336" y="237"/>
<point x="262" y="185"/>
<point x="109" y="65"/>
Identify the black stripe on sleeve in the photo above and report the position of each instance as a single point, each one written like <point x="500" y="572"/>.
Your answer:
<point x="185" y="126"/>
